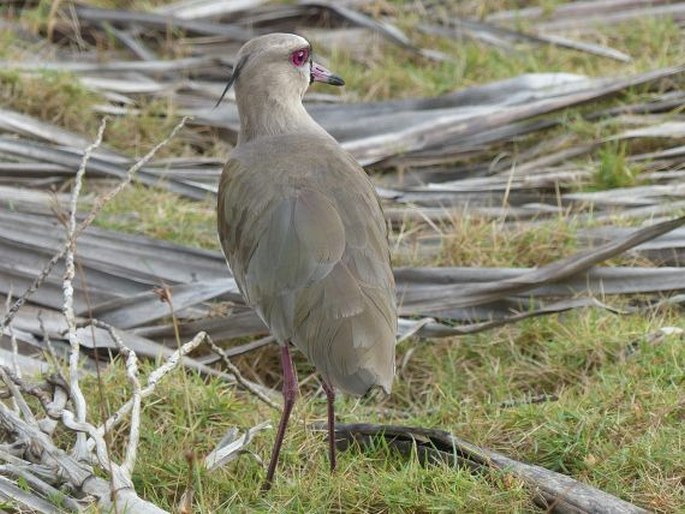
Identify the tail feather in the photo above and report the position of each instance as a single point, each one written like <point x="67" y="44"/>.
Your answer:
<point x="353" y="354"/>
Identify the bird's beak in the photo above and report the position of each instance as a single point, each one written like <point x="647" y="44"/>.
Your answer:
<point x="321" y="74"/>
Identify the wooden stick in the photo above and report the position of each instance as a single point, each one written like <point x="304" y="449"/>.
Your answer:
<point x="551" y="490"/>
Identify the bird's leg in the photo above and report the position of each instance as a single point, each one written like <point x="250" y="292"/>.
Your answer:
<point x="289" y="394"/>
<point x="330" y="397"/>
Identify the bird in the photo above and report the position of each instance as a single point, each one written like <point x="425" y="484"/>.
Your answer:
<point x="303" y="232"/>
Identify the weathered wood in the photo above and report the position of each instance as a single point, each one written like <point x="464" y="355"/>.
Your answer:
<point x="14" y="495"/>
<point x="551" y="490"/>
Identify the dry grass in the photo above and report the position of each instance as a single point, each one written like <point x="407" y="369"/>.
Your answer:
<point x="479" y="242"/>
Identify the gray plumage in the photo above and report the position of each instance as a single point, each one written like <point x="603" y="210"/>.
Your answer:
<point x="301" y="226"/>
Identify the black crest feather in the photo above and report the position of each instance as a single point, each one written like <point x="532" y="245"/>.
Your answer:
<point x="234" y="77"/>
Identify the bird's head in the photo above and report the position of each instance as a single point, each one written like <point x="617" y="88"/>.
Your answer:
<point x="282" y="62"/>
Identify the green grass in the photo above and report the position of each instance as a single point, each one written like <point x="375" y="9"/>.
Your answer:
<point x="616" y="423"/>
<point x="613" y="169"/>
<point x="58" y="98"/>
<point x="395" y="72"/>
<point x="163" y="215"/>
<point x="617" y="420"/>
<point x="50" y="96"/>
<point x="478" y="242"/>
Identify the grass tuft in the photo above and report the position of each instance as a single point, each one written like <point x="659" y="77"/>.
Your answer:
<point x="473" y="241"/>
<point x="51" y="96"/>
<point x="613" y="169"/>
<point x="163" y="215"/>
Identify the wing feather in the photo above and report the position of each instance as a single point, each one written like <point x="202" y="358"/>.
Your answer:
<point x="307" y="243"/>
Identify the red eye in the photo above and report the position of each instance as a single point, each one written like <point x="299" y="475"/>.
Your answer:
<point x="299" y="57"/>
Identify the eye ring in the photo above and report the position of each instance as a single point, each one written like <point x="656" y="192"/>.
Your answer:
<point x="299" y="57"/>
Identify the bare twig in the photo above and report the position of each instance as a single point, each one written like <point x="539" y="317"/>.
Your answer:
<point x="245" y="384"/>
<point x="49" y="347"/>
<point x="17" y="397"/>
<point x="77" y="397"/>
<point x="16" y="402"/>
<point x="134" y="432"/>
<point x="73" y="470"/>
<point x="39" y="485"/>
<point x="35" y="285"/>
<point x="153" y="379"/>
<point x="57" y="404"/>
<point x="18" y="386"/>
<point x="130" y="174"/>
<point x="22" y="500"/>
<point x="13" y="339"/>
<point x="239" y="350"/>
<point x="97" y="207"/>
<point x="78" y="474"/>
<point x="136" y="398"/>
<point x="12" y="379"/>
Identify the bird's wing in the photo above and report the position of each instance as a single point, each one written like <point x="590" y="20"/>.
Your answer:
<point x="299" y="241"/>
<point x="277" y="239"/>
<point x="366" y="256"/>
<point x="346" y="323"/>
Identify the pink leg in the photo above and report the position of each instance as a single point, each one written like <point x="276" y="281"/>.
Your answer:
<point x="330" y="396"/>
<point x="289" y="395"/>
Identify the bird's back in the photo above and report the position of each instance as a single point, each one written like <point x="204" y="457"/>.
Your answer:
<point x="302" y="229"/>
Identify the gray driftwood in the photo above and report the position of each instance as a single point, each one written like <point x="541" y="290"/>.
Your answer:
<point x="551" y="490"/>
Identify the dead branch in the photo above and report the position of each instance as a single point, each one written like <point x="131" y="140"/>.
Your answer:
<point x="153" y="379"/>
<point x="13" y="339"/>
<point x="16" y="395"/>
<point x="32" y="437"/>
<point x="75" y="345"/>
<point x="130" y="175"/>
<point x="245" y="384"/>
<point x="553" y="491"/>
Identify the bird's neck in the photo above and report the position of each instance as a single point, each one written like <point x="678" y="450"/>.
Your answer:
<point x="263" y="114"/>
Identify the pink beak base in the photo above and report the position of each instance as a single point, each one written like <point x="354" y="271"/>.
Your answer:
<point x="321" y="74"/>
